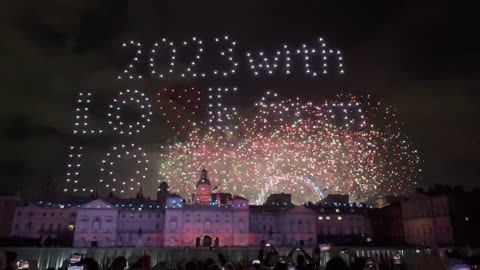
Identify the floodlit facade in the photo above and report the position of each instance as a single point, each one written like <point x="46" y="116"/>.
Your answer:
<point x="205" y="219"/>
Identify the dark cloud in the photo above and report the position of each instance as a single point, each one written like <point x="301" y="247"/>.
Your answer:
<point x="419" y="57"/>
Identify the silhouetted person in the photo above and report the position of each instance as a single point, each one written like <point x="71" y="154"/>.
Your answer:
<point x="89" y="264"/>
<point x="119" y="263"/>
<point x="336" y="263"/>
<point x="64" y="266"/>
<point x="358" y="264"/>
<point x="94" y="242"/>
<point x="11" y="257"/>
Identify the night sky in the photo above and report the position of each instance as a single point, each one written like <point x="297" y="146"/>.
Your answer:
<point x="420" y="58"/>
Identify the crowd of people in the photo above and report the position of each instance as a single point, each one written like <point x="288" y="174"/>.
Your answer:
<point x="268" y="259"/>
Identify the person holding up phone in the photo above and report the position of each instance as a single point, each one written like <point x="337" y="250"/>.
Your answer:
<point x="303" y="258"/>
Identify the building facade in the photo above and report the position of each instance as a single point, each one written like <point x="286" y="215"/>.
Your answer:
<point x="205" y="219"/>
<point x="387" y="220"/>
<point x="442" y="217"/>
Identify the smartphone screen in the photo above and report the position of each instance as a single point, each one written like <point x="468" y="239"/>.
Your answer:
<point x="23" y="264"/>
<point x="75" y="258"/>
<point x="75" y="267"/>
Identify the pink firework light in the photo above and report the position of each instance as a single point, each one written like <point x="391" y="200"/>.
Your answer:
<point x="302" y="148"/>
<point x="347" y="145"/>
<point x="180" y="109"/>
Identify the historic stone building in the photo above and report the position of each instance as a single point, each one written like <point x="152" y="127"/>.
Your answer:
<point x="205" y="219"/>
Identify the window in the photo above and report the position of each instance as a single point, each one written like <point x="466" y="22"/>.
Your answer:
<point x="149" y="215"/>
<point x="52" y="214"/>
<point x="328" y="217"/>
<point x="339" y="218"/>
<point x="207" y="226"/>
<point x="50" y="227"/>
<point x="59" y="227"/>
<point x="157" y="226"/>
<point x="19" y="213"/>
<point x="141" y="216"/>
<point x="337" y="210"/>
<point x="96" y="223"/>
<point x="173" y="223"/>
<point x="16" y="226"/>
<point x="241" y="225"/>
<point x="158" y="215"/>
<point x="44" y="214"/>
<point x="320" y="218"/>
<point x="42" y="227"/>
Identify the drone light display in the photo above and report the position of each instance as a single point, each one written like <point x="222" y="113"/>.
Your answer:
<point x="147" y="61"/>
<point x="351" y="145"/>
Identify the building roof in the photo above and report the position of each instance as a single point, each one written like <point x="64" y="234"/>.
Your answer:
<point x="269" y="208"/>
<point x="237" y="197"/>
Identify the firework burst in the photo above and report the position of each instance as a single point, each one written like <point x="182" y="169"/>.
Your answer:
<point x="348" y="145"/>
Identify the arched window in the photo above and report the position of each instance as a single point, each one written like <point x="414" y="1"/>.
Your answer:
<point x="197" y="241"/>
<point x="241" y="225"/>
<point x="173" y="223"/>
<point x="96" y="223"/>
<point x="207" y="226"/>
<point x="207" y="241"/>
